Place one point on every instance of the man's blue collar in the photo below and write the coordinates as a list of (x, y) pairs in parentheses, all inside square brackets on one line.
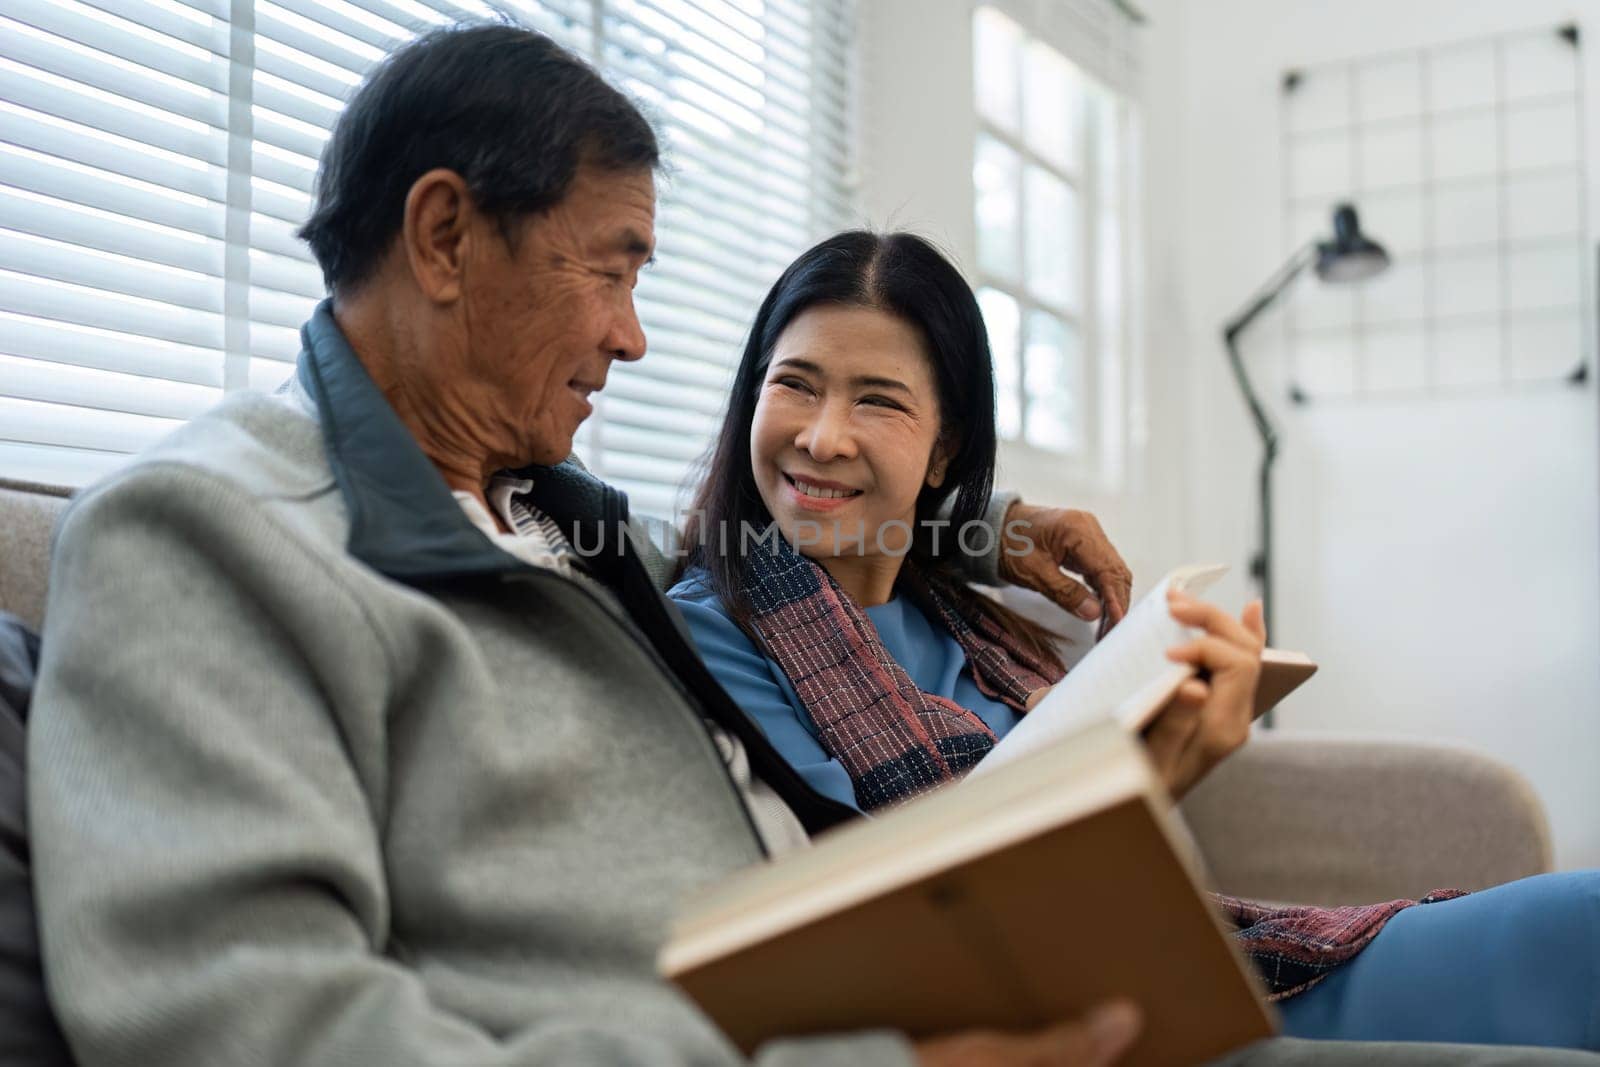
[(404, 520)]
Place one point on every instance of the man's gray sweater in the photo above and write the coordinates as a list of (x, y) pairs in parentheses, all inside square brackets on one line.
[(321, 777)]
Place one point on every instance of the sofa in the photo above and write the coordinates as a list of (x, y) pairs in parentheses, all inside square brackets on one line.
[(1290, 817)]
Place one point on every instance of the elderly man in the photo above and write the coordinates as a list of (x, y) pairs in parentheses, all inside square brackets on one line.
[(341, 754)]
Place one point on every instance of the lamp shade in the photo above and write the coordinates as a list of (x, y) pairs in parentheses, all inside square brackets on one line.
[(1351, 256)]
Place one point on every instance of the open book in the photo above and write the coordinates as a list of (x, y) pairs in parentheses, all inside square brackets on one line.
[(1012, 900), (1128, 677)]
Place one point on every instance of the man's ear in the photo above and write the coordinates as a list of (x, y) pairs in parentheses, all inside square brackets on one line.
[(436, 235)]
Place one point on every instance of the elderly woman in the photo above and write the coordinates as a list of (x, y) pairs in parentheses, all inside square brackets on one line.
[(863, 402)]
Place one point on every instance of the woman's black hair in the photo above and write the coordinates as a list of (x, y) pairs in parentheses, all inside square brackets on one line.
[(901, 274)]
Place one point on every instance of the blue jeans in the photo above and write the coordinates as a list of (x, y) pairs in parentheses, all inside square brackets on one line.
[(1516, 964)]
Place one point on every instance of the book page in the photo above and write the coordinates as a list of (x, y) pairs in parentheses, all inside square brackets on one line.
[(1120, 676)]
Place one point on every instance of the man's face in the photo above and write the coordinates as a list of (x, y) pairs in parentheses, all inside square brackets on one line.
[(543, 317)]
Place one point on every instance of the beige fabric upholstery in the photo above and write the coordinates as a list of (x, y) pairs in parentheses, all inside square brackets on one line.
[(28, 515), (1337, 820)]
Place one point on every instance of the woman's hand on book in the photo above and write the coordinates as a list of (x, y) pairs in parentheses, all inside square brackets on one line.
[(1211, 714), (1097, 1040)]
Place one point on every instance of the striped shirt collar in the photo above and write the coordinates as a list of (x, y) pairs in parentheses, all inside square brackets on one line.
[(533, 538)]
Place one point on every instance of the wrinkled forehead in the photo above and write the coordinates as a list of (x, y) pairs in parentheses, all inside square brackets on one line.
[(619, 207)]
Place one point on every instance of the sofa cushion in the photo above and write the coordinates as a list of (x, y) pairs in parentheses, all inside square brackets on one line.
[(28, 1033), (28, 514)]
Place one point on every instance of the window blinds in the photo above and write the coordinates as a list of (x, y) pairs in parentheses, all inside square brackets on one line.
[(156, 157)]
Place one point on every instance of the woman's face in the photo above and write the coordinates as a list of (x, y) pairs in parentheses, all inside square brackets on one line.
[(846, 432)]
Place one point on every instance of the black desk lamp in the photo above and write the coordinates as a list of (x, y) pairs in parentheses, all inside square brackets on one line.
[(1350, 257)]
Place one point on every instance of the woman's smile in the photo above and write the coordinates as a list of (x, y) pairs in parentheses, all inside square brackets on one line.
[(817, 494)]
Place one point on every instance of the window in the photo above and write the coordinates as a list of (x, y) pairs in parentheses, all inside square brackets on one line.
[(1054, 179), (156, 157)]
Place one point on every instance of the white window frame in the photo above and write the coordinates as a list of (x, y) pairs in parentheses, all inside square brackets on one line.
[(1110, 408)]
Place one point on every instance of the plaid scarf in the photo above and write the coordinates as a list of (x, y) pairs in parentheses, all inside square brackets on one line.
[(896, 740)]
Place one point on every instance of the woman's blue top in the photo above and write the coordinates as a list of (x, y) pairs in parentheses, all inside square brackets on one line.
[(927, 652)]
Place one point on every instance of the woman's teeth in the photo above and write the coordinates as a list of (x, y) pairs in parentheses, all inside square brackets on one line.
[(819, 492)]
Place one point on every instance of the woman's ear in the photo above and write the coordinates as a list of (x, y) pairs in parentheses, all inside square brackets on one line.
[(938, 463)]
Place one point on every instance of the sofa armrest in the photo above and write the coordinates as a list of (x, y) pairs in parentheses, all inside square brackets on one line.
[(1330, 820), (28, 514)]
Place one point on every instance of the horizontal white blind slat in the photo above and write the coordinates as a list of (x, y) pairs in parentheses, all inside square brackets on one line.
[(734, 130), (78, 143), (39, 257), (378, 29), (678, 357), (163, 41), (712, 328), (284, 274), (273, 342), (283, 97), (292, 65), (698, 249), (201, 23), (279, 202), (720, 274), (54, 177), (691, 429), (274, 23), (290, 134), (56, 464), (663, 288), (692, 367), (103, 349), (749, 73), (288, 169), (51, 95), (86, 306), (60, 220), (626, 437), (621, 464), (729, 239), (700, 184), (268, 307), (199, 100), (35, 423), (57, 383), (277, 236)]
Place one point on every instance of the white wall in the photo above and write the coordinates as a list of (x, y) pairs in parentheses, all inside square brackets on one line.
[(1442, 559)]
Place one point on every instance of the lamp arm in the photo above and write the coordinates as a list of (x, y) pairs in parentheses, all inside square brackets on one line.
[(1235, 326), (1261, 565), (1269, 291)]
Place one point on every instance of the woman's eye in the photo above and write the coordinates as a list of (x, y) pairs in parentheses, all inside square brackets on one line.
[(793, 383), (882, 402)]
